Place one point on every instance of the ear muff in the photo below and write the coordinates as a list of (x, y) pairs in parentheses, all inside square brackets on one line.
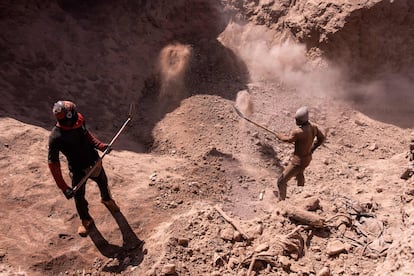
[(69, 114)]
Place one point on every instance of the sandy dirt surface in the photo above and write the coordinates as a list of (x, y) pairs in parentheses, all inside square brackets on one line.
[(194, 180)]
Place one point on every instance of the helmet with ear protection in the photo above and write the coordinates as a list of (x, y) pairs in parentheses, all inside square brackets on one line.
[(64, 110)]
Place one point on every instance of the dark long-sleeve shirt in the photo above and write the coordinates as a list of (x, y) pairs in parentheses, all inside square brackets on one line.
[(77, 144)]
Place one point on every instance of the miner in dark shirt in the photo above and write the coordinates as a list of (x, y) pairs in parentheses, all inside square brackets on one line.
[(71, 137)]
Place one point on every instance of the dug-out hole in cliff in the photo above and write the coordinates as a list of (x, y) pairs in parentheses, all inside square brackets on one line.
[(375, 48)]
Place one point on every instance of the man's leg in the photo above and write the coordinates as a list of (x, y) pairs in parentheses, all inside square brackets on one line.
[(106, 198), (102, 181), (300, 178), (289, 172), (82, 207), (80, 200), (282, 187)]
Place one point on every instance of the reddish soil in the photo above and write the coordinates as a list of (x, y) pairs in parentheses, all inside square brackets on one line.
[(187, 155)]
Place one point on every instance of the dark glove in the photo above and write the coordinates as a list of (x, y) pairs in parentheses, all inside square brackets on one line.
[(108, 148), (69, 193)]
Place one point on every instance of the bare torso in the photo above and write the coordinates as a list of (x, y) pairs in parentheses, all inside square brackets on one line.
[(303, 137)]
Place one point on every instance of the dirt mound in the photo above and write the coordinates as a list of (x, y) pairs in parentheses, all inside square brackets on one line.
[(195, 180)]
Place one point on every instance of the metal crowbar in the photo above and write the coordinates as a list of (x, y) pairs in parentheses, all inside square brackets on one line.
[(250, 121)]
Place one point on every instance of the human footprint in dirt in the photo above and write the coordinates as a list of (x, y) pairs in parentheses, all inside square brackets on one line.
[(305, 144), (71, 137)]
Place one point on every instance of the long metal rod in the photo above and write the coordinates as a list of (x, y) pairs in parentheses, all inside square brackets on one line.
[(83, 180), (99, 161), (250, 121), (116, 136)]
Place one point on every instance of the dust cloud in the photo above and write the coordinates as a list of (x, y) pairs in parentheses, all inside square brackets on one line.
[(272, 57), (388, 99), (244, 103), (282, 60), (172, 64)]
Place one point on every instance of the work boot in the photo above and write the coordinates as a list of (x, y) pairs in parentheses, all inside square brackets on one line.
[(84, 228), (111, 205)]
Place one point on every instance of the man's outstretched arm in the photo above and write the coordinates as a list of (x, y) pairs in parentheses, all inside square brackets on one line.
[(286, 138)]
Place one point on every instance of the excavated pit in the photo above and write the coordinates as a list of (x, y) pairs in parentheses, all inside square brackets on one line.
[(182, 63)]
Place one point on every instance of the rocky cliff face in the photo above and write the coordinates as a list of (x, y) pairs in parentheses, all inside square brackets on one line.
[(370, 37), (83, 40)]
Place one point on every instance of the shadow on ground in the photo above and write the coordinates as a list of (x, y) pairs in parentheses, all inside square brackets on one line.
[(130, 253)]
